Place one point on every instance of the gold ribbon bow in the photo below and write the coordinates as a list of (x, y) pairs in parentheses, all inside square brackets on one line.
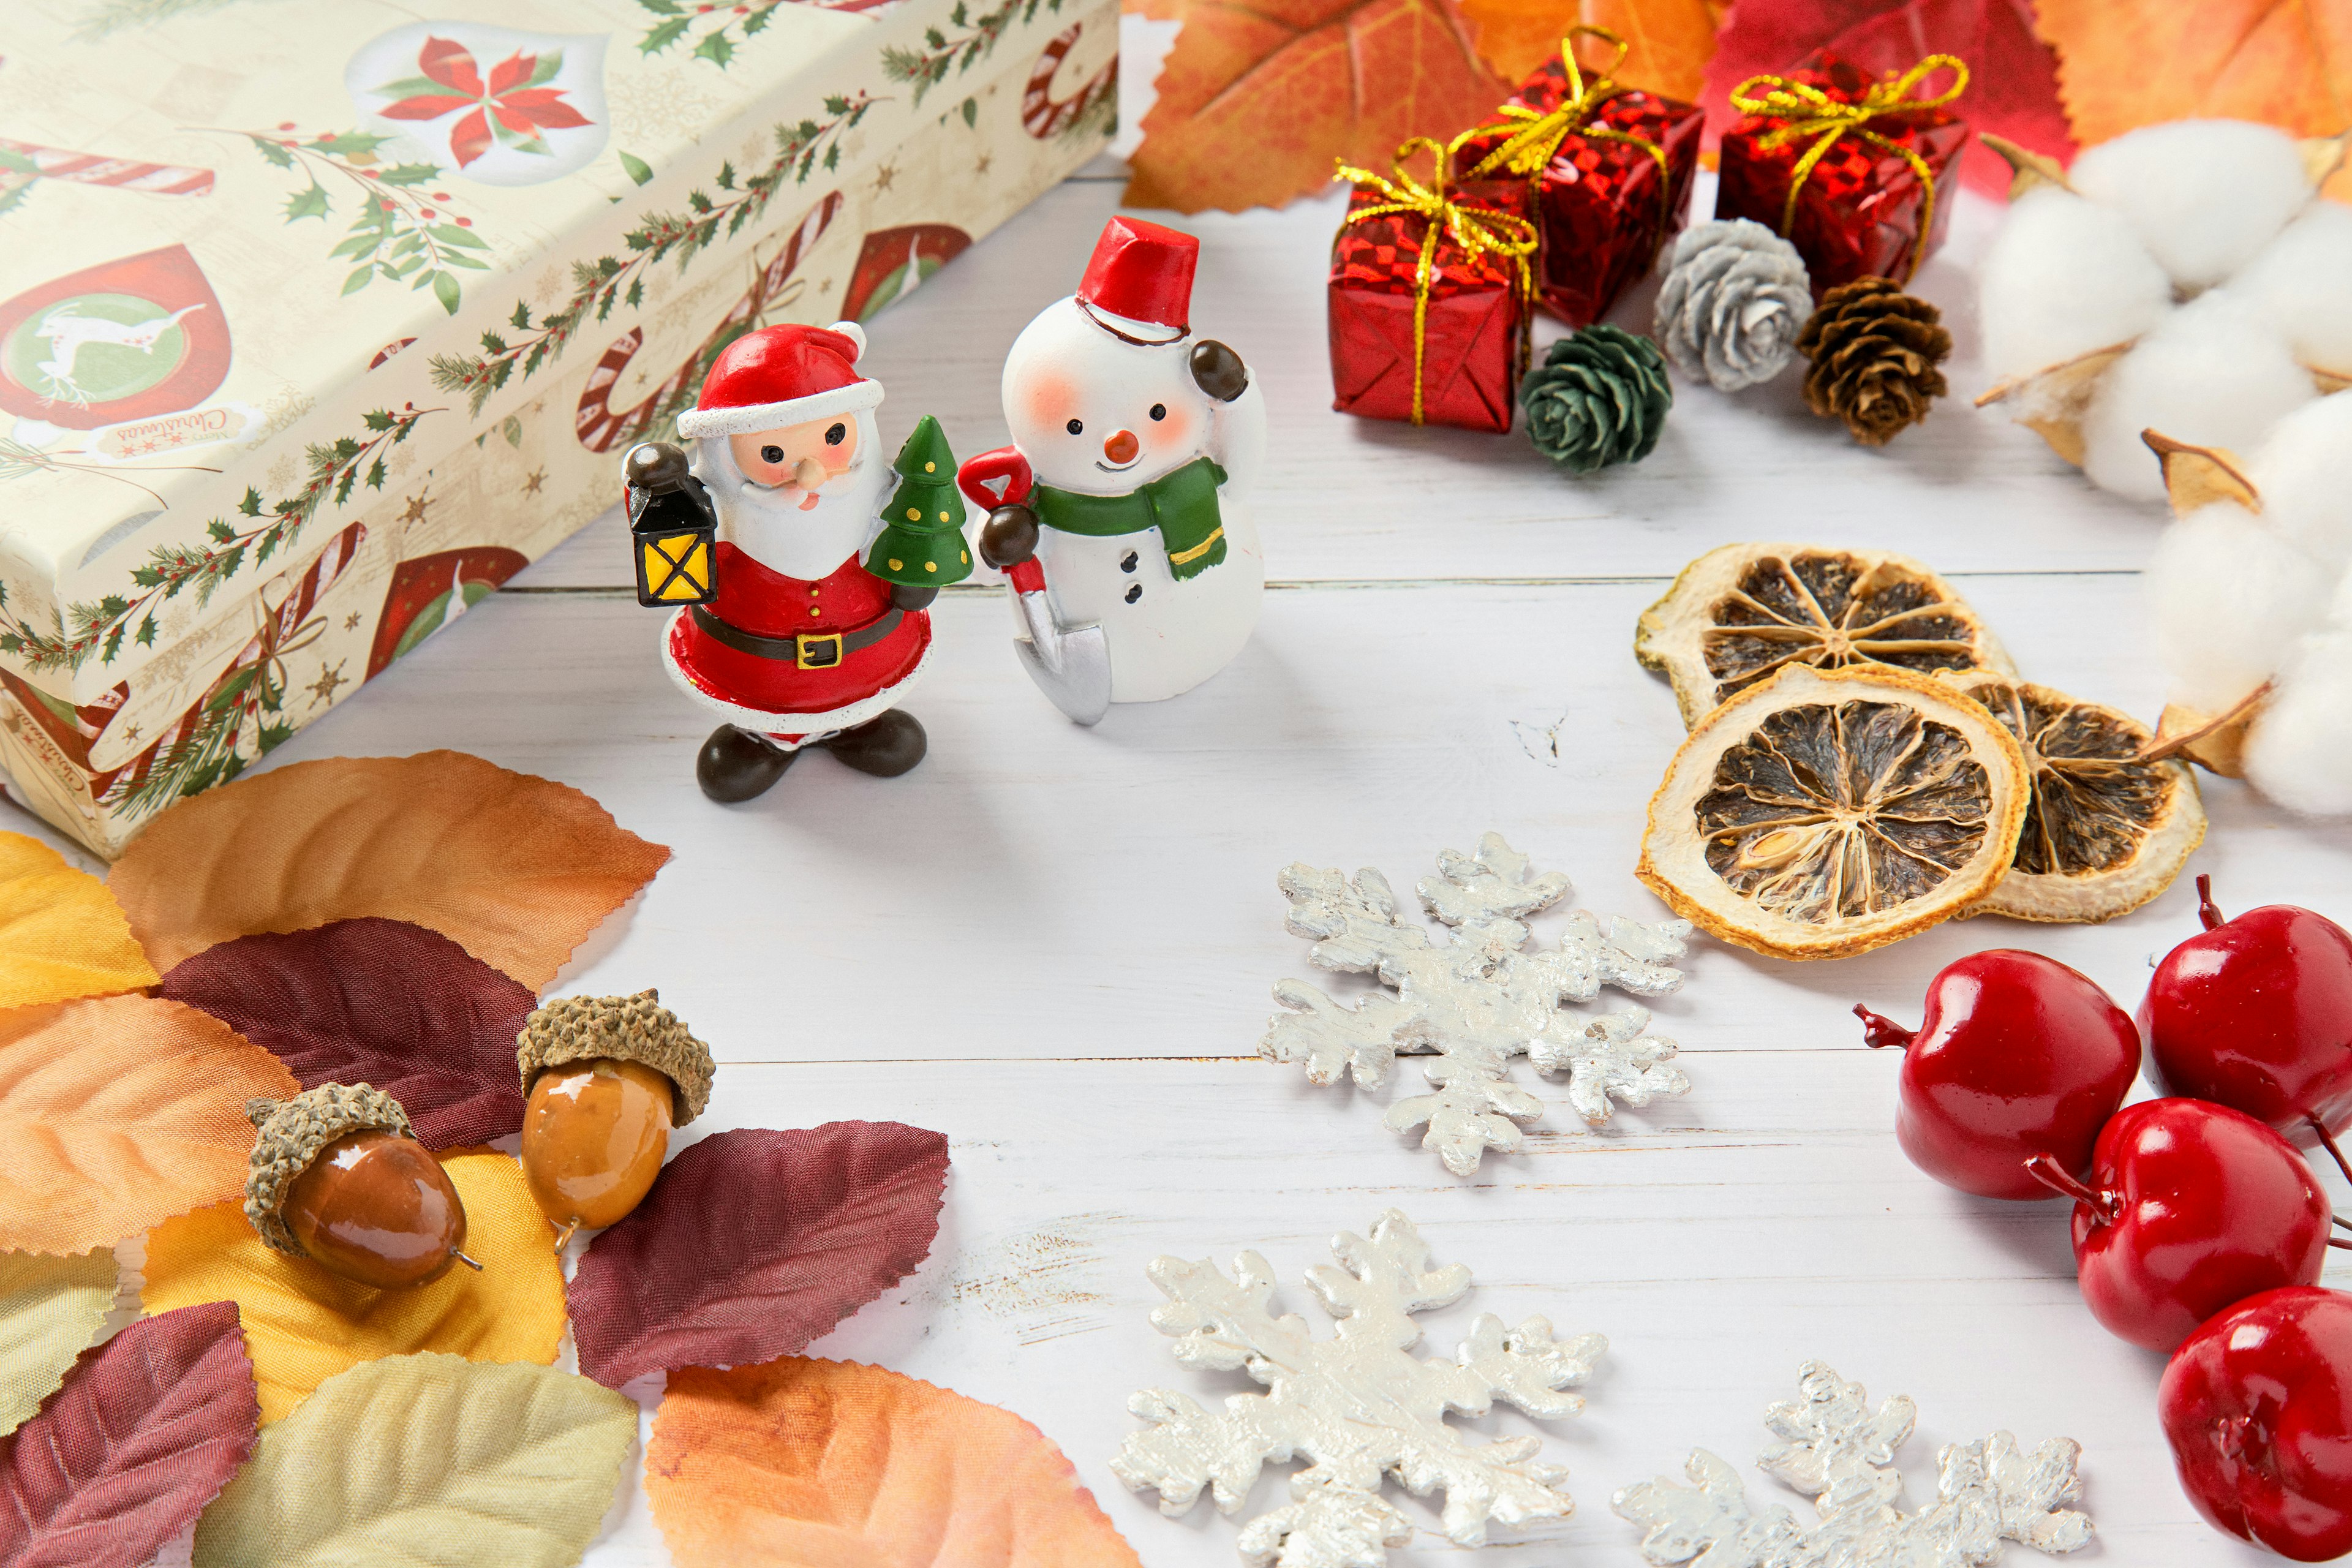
[(1535, 136), (1810, 111), (1477, 230)]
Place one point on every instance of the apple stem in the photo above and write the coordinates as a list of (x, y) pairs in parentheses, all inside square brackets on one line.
[(1878, 1031), (2045, 1169), (2207, 911), (2328, 1142), (2339, 1241)]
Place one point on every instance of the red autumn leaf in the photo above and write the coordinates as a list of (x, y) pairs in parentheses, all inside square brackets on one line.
[(2013, 74), (753, 1243), (146, 1431), (452, 65), (1258, 96), (378, 1002)]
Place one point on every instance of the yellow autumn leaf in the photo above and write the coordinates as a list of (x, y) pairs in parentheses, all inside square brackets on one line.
[(62, 936), (50, 1310), (1667, 42), (118, 1112), (303, 1325)]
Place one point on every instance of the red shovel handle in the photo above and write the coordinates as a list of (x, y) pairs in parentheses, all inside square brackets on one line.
[(1006, 466), (1026, 576)]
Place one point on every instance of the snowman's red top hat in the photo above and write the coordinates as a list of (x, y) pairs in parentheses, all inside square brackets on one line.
[(781, 375), (1139, 284)]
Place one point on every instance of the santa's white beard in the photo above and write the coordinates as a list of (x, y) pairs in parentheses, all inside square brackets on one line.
[(770, 523)]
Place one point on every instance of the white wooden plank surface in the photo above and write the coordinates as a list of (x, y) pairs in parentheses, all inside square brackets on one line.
[(1068, 969)]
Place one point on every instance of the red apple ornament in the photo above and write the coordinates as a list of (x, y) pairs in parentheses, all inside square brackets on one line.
[(2191, 1207), (2256, 1013), (2257, 1405), (2017, 1056)]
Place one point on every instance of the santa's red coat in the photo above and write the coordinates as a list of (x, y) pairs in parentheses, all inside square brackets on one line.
[(774, 695)]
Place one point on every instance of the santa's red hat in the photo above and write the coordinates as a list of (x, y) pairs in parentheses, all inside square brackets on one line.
[(781, 375), (1138, 285)]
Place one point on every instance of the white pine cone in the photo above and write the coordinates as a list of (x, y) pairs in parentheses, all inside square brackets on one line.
[(1734, 298)]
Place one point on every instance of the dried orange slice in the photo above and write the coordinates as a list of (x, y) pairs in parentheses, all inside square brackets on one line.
[(1823, 813), (1740, 612), (2104, 832)]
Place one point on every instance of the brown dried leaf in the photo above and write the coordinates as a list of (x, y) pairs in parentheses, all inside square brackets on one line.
[(118, 1112), (515, 869), (824, 1461)]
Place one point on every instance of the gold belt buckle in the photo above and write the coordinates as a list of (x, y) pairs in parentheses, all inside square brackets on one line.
[(805, 641)]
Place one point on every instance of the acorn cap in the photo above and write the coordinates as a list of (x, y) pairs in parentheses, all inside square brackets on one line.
[(291, 1132), (630, 1028)]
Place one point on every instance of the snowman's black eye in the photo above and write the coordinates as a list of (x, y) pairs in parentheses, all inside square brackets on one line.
[(1076, 428), (1159, 411), (834, 436), (771, 454)]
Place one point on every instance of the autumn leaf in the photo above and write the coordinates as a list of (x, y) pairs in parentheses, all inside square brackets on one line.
[(1668, 42), (62, 936), (427, 1459), (826, 1461), (515, 869), (2012, 75), (2123, 64), (50, 1309), (118, 1112), (304, 1324), (376, 1001), (1258, 96), (126, 1455), (754, 1242)]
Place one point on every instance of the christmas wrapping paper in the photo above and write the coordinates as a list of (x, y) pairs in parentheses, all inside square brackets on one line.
[(1615, 187), (1858, 171), (316, 323)]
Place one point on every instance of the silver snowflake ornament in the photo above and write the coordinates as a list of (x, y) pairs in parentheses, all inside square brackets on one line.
[(1356, 1406), (1841, 1452), (1473, 994)]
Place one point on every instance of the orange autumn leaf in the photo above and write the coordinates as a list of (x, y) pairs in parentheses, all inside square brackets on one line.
[(1668, 42), (2127, 63), (117, 1113), (824, 1461), (515, 869), (61, 933), (1258, 96), (303, 1325)]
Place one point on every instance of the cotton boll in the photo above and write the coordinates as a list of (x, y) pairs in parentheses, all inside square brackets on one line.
[(2063, 276), (2302, 283), (2229, 596), (2299, 752), (2303, 474), (2204, 194), (2212, 373)]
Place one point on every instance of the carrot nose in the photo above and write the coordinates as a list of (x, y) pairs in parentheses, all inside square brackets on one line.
[(1122, 446)]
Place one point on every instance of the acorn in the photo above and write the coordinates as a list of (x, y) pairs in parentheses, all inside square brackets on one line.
[(338, 1176), (606, 1080)]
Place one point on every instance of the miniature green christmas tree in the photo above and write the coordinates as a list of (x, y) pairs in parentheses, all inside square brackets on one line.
[(921, 545)]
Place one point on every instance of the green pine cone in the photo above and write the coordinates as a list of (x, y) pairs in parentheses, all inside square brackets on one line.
[(1598, 397)]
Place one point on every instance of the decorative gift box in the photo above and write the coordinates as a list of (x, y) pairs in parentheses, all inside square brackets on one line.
[(1430, 298), (318, 322), (1608, 176), (1856, 172)]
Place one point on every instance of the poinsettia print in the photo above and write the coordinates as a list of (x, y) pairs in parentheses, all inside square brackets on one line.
[(494, 105)]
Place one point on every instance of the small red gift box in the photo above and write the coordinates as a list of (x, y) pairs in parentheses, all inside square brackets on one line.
[(1430, 299), (1609, 170), (1851, 169)]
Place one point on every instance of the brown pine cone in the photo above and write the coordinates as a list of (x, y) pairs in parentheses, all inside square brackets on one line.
[(1875, 351)]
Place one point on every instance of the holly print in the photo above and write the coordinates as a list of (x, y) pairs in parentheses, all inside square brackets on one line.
[(513, 107), (974, 39), (403, 232), (717, 44)]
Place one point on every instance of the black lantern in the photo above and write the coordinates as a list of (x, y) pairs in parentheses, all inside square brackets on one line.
[(672, 529)]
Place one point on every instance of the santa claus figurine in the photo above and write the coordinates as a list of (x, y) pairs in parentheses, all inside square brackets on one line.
[(1116, 513), (787, 632)]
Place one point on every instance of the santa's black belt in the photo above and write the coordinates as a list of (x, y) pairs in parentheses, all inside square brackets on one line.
[(808, 650)]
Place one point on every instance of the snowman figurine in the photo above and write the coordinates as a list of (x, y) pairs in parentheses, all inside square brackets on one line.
[(1116, 513)]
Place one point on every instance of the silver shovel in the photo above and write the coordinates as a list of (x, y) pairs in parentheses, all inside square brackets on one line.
[(1071, 665)]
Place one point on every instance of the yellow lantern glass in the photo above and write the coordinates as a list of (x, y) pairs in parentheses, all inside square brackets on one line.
[(674, 566)]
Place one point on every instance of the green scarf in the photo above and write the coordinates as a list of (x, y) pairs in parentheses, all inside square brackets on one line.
[(1182, 506)]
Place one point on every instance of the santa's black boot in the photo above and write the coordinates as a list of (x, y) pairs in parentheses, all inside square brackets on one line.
[(738, 764), (885, 746)]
